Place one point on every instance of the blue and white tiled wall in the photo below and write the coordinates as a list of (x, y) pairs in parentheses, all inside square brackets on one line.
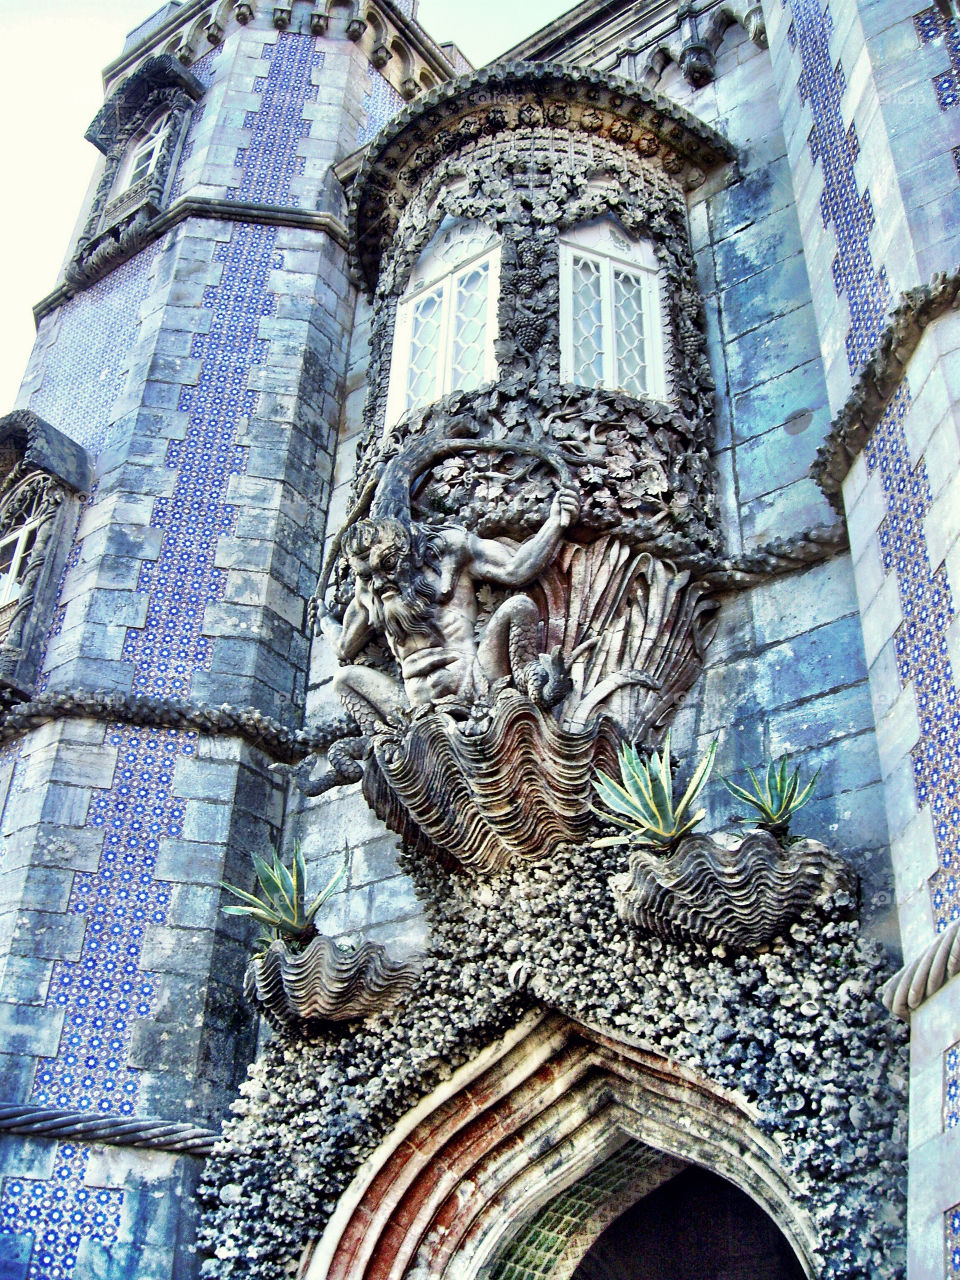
[(857, 90), (194, 440)]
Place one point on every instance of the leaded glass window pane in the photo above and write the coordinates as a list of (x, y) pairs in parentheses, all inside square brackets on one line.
[(470, 328), (587, 323), (631, 370), (425, 333)]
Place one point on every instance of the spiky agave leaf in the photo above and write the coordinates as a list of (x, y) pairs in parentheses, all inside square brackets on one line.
[(778, 797), (644, 803), (325, 893)]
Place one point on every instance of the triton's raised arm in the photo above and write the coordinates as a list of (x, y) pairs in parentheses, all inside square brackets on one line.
[(495, 563)]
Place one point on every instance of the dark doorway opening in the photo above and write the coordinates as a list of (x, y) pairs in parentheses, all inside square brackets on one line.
[(697, 1226)]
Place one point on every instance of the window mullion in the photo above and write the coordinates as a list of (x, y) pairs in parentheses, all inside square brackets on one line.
[(609, 329), (445, 353)]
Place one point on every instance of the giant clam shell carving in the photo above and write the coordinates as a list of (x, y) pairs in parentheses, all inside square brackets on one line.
[(743, 896), (516, 790), (325, 982)]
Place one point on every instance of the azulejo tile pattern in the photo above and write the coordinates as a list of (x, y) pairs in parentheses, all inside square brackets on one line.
[(381, 102), (270, 162), (835, 146), (951, 1087), (85, 371), (932, 25), (951, 1231), (106, 991), (921, 645)]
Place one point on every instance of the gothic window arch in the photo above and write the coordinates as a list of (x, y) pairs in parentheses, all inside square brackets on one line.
[(446, 318), (42, 472), (611, 312)]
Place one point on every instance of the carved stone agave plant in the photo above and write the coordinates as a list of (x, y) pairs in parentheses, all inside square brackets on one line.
[(644, 804), (777, 798)]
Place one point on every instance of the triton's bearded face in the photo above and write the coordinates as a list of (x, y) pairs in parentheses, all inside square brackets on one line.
[(387, 554)]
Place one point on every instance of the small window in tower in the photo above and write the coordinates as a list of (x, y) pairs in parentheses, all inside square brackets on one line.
[(16, 546), (447, 318), (611, 324), (142, 154)]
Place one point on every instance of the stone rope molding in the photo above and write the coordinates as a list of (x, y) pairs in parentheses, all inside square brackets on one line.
[(282, 743), (54, 1123), (925, 976)]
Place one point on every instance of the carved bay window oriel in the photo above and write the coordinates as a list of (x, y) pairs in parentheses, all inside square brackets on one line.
[(140, 130), (611, 317), (42, 472), (447, 318)]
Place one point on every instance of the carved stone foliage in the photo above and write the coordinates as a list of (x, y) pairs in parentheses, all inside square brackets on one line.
[(118, 222), (496, 102), (743, 894), (326, 982), (514, 787), (529, 188), (40, 470)]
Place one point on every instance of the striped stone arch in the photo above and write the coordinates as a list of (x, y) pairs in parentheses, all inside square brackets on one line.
[(555, 1106)]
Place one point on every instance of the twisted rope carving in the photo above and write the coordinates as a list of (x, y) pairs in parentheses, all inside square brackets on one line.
[(783, 555), (35, 1121), (283, 744), (924, 977)]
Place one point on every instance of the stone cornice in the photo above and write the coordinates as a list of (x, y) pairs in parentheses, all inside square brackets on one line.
[(505, 97), (879, 379), (208, 207)]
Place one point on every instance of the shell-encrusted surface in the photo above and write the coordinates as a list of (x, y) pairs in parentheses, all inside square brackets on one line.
[(743, 896), (514, 791), (325, 982)]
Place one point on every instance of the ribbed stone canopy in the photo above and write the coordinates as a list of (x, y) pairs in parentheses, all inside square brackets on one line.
[(510, 96)]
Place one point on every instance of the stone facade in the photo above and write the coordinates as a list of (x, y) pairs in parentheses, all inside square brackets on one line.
[(209, 405)]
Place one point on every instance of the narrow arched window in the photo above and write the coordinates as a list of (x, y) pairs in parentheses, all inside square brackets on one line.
[(611, 320), (21, 515), (142, 154), (447, 318)]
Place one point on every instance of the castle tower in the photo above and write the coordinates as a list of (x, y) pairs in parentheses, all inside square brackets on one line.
[(604, 393)]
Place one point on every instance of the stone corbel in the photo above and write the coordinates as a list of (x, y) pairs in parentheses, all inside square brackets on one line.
[(355, 29), (694, 55), (244, 12), (380, 56), (750, 17), (214, 33), (318, 23), (409, 89), (281, 16)]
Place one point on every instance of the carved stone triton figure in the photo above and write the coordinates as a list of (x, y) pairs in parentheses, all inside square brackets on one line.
[(416, 585)]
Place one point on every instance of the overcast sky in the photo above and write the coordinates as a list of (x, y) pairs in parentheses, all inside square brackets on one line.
[(52, 88)]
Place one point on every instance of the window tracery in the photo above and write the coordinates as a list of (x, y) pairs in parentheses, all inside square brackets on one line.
[(611, 326), (447, 318)]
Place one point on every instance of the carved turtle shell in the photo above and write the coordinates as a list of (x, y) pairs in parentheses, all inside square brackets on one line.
[(743, 896), (325, 982)]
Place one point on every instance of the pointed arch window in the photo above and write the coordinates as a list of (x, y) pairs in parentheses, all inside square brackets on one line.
[(447, 318), (611, 318)]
